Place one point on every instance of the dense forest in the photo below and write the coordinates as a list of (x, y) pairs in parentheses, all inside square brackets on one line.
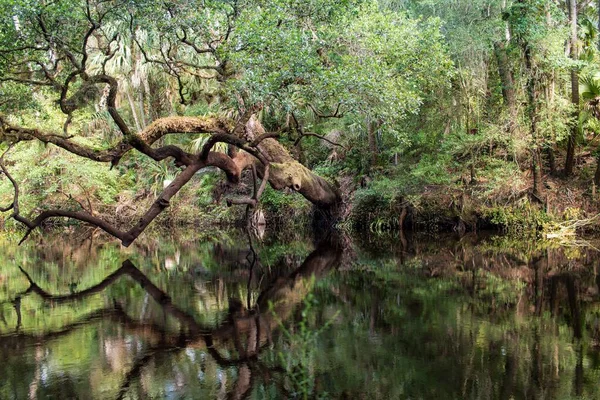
[(372, 114)]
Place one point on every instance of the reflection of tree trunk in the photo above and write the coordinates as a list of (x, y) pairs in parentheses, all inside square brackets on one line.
[(578, 383), (243, 383), (510, 375), (17, 306), (35, 383), (538, 284), (473, 288), (403, 245), (573, 293), (373, 316), (536, 367), (554, 297)]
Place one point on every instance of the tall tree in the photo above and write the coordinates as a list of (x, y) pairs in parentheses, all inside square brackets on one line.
[(509, 91), (572, 141)]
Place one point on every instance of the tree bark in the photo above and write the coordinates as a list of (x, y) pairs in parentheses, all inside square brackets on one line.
[(508, 83), (572, 141), (371, 132), (533, 116), (267, 155), (285, 171)]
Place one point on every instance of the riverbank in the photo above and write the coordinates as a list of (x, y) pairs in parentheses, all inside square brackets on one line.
[(503, 203), (498, 200)]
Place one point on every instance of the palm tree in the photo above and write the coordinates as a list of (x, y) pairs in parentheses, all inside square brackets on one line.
[(589, 87)]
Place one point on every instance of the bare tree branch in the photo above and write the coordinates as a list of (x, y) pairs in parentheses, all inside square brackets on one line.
[(336, 113)]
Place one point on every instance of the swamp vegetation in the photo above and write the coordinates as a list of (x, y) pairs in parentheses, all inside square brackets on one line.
[(413, 180), (373, 114)]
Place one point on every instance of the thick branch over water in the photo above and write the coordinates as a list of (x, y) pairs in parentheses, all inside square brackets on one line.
[(272, 160)]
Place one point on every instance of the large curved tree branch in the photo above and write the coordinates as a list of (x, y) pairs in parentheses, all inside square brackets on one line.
[(271, 159), (141, 141), (260, 152)]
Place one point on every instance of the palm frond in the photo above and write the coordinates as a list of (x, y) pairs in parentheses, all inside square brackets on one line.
[(196, 144)]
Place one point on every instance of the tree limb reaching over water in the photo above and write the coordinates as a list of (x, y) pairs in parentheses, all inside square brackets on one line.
[(71, 62), (271, 158)]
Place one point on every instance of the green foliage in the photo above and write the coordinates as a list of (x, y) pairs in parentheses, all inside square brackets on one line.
[(284, 208), (50, 179), (523, 218), (419, 90), (299, 351)]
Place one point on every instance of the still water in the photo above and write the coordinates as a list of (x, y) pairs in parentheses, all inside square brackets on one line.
[(477, 317)]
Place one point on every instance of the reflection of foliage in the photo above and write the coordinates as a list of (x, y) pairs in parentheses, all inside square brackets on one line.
[(382, 326), (297, 353)]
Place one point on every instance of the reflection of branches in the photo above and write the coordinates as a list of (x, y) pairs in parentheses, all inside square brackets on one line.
[(18, 340), (251, 253), (250, 326), (17, 306), (162, 298), (139, 365)]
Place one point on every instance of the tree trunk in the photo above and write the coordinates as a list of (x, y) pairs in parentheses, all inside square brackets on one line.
[(551, 159), (536, 169), (371, 131), (597, 174), (138, 126), (570, 160), (508, 83), (285, 171), (550, 91), (532, 107)]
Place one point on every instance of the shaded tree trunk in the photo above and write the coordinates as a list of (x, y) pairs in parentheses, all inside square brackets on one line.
[(597, 174), (508, 83), (570, 160), (551, 159), (536, 168), (285, 171), (371, 131)]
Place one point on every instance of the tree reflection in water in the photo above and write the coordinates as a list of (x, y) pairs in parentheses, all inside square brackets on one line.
[(244, 333), (470, 318)]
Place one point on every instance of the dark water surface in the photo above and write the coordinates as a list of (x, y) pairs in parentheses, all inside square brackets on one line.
[(384, 318)]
